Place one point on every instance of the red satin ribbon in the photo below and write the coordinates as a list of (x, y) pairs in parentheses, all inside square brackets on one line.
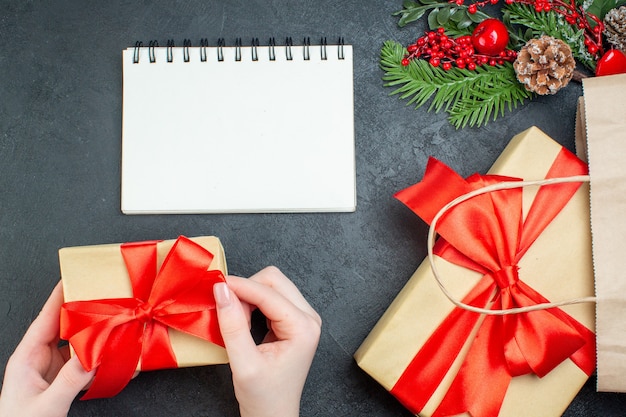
[(488, 234), (114, 335)]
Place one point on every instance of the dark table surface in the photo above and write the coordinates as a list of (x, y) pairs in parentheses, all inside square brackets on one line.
[(60, 129)]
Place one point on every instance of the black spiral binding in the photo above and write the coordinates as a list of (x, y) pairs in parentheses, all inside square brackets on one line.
[(138, 46), (288, 45), (305, 51), (255, 45), (221, 44), (340, 49), (272, 47), (186, 46), (220, 49), (238, 49), (204, 43), (151, 46), (170, 47)]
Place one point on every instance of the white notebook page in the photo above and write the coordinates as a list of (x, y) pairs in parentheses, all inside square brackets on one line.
[(238, 136)]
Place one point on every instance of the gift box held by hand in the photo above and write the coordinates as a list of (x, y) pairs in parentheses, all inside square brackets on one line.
[(141, 306)]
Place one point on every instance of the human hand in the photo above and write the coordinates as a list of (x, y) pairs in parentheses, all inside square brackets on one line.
[(39, 380), (268, 378)]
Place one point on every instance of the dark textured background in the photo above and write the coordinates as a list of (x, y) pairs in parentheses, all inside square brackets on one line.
[(60, 127)]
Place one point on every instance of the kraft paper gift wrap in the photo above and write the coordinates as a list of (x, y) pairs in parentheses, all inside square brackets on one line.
[(441, 360), (141, 306)]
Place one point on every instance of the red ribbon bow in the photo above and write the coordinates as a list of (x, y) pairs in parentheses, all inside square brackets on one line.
[(114, 335), (488, 234)]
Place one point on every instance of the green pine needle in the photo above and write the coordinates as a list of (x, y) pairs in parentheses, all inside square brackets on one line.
[(471, 98), (551, 24)]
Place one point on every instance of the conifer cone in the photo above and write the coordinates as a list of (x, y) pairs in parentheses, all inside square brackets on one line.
[(615, 28), (544, 65)]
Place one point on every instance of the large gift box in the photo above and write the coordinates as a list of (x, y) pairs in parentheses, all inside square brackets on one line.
[(141, 306), (507, 249)]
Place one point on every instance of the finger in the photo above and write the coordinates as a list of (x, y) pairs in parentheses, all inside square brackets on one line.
[(234, 325), (45, 328), (71, 379), (273, 277), (287, 319), (65, 353)]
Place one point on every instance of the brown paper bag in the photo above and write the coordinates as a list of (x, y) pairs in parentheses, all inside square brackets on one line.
[(602, 122)]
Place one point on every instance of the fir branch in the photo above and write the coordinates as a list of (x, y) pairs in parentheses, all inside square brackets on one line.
[(470, 97), (491, 99), (551, 24)]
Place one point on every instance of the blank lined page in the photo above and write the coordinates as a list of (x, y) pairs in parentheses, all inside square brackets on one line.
[(228, 129)]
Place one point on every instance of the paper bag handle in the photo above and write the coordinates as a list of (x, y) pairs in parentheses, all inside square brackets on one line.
[(432, 234)]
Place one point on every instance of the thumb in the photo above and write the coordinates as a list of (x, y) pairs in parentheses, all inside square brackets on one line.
[(234, 325), (71, 379)]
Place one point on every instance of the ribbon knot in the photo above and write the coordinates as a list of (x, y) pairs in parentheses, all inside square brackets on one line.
[(506, 277), (143, 312), (116, 335), (489, 234)]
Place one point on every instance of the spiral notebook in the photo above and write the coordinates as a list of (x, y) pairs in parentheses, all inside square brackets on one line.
[(241, 128)]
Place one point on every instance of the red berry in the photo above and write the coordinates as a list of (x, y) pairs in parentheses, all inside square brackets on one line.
[(411, 48), (472, 8), (490, 37), (471, 66), (405, 62), (612, 62), (446, 66)]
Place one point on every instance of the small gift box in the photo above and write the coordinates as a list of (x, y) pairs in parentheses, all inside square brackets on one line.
[(506, 249), (141, 306)]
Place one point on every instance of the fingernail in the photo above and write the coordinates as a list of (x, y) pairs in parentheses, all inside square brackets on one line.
[(222, 294)]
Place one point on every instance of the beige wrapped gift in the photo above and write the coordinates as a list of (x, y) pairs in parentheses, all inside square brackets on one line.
[(557, 265), (100, 272)]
